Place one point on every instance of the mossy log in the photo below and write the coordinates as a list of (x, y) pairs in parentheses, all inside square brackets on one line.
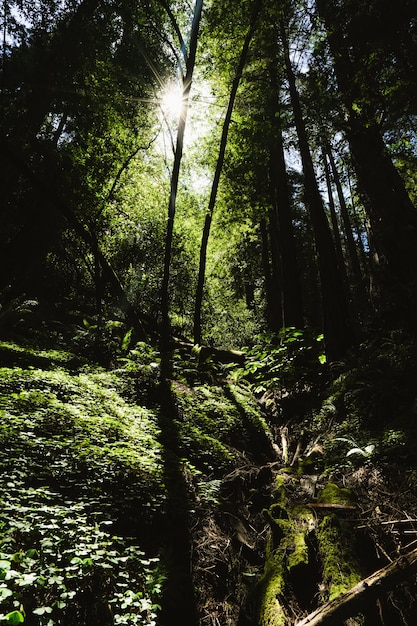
[(365, 592), (341, 567), (287, 551), (302, 552)]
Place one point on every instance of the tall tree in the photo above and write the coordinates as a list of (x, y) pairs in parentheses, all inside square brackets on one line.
[(292, 305), (392, 216), (352, 248), (187, 82), (336, 322), (219, 166)]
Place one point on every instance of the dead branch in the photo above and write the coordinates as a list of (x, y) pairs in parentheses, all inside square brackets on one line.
[(331, 505), (368, 590)]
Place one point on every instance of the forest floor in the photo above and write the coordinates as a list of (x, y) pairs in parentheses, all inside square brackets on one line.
[(131, 498)]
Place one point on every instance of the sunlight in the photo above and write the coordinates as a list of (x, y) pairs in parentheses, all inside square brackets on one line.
[(172, 102)]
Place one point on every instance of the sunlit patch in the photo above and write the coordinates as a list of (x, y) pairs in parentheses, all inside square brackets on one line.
[(172, 101)]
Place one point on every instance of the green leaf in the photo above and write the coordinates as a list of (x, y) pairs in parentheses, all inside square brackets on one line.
[(356, 451), (15, 617), (126, 339), (5, 592), (27, 580), (60, 604), (32, 553), (42, 610)]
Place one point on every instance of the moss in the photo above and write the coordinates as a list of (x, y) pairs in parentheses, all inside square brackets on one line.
[(270, 588), (287, 550), (302, 523), (341, 569), (280, 495), (333, 494)]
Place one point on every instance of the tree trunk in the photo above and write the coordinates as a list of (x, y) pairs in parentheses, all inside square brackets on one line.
[(362, 297), (190, 63), (219, 166), (336, 324), (275, 239), (334, 221), (292, 302), (393, 218), (273, 305)]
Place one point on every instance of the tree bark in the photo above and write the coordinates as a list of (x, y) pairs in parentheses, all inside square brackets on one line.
[(335, 224), (364, 593), (292, 301), (362, 300), (272, 291)]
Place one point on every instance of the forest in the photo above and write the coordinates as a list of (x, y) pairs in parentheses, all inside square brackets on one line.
[(208, 313)]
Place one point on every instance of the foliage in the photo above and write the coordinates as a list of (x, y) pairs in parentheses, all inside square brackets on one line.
[(290, 360), (368, 412), (61, 563), (366, 452), (209, 426), (76, 459)]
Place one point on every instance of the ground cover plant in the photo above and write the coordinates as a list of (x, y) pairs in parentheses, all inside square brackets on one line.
[(87, 476), (76, 457)]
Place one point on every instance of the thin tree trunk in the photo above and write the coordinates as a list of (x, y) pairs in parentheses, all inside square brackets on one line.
[(292, 305), (335, 224), (271, 292), (336, 324), (358, 224), (362, 299), (190, 63), (219, 166), (274, 236)]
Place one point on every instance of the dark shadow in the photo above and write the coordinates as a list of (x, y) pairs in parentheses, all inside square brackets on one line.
[(178, 602), (253, 438)]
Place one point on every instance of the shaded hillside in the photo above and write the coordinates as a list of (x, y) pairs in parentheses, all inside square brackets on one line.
[(215, 495)]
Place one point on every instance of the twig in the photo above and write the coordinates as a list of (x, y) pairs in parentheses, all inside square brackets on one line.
[(399, 521)]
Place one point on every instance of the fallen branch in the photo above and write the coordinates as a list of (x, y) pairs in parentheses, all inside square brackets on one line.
[(350, 603), (331, 505)]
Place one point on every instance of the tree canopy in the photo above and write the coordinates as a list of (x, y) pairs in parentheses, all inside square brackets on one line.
[(85, 174)]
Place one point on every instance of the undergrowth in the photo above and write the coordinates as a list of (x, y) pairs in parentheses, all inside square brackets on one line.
[(83, 477), (78, 461)]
